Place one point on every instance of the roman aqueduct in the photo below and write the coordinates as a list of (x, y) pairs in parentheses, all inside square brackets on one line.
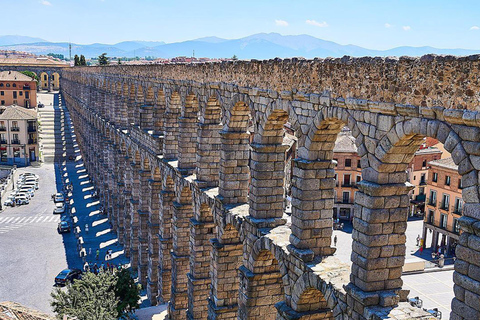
[(189, 161)]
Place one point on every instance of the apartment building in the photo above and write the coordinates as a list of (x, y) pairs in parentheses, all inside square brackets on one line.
[(443, 206), (17, 88), (18, 135)]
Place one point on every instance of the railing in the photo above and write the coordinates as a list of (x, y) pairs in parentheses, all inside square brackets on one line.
[(3, 141), (349, 185), (457, 210), (32, 129), (32, 141), (423, 182), (3, 129), (432, 203), (15, 142), (444, 206), (15, 129)]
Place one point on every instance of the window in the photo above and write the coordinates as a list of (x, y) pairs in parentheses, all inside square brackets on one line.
[(14, 85), (2, 138), (456, 226), (433, 198), (421, 190), (460, 184), (359, 178), (14, 94), (15, 136), (346, 180), (443, 221), (348, 162), (424, 163), (45, 77), (336, 180), (346, 197), (20, 93), (447, 180), (27, 95), (8, 85), (445, 201), (435, 177), (359, 164), (458, 206), (15, 124), (2, 93), (53, 77), (1, 84), (3, 102), (422, 179), (430, 216), (16, 152)]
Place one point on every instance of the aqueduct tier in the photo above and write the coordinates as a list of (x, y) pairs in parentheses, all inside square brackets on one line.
[(190, 162)]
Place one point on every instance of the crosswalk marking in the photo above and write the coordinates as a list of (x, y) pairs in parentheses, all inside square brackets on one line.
[(28, 220)]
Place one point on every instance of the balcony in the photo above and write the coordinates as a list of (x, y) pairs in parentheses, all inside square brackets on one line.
[(423, 182), (15, 142), (32, 129), (15, 129), (349, 185), (444, 206), (457, 210), (32, 141), (3, 141), (3, 129), (432, 202)]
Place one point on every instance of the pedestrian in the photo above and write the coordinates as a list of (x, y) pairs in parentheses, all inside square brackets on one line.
[(108, 266), (89, 252), (86, 268), (335, 240), (102, 267), (106, 256), (95, 268), (98, 254), (86, 227), (110, 252), (418, 240)]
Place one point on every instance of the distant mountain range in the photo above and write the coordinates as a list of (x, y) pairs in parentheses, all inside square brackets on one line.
[(257, 46)]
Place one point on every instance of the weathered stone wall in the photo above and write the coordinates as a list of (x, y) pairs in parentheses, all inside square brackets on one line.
[(263, 263)]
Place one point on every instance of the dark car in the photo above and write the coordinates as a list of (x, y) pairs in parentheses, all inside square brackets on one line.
[(63, 226), (40, 105), (68, 275)]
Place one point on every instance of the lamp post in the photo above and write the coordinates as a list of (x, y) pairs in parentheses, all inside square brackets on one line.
[(13, 176)]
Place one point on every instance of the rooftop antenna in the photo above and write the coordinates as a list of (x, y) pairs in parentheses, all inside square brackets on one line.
[(70, 50), (194, 53)]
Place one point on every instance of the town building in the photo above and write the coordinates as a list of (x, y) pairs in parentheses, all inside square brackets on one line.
[(348, 173), (418, 172), (443, 206), (15, 311), (17, 88), (18, 136)]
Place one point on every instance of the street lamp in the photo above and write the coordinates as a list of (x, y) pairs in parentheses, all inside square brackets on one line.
[(13, 176)]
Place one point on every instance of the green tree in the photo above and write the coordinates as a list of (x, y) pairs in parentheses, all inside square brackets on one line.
[(234, 57), (119, 61), (32, 75), (102, 59), (92, 297), (83, 62), (127, 292), (76, 61)]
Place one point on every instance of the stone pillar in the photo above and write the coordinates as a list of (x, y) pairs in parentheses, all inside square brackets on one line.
[(466, 278), (187, 147), (234, 171), (227, 252), (313, 186), (165, 245), (380, 222), (121, 114), (182, 213), (208, 154), (134, 215), (201, 231), (144, 214), (125, 206), (153, 241), (322, 312), (146, 117), (171, 131)]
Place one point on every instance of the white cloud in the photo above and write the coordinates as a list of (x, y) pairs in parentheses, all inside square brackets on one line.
[(317, 24), (406, 28), (45, 2), (474, 28), (388, 25), (281, 23)]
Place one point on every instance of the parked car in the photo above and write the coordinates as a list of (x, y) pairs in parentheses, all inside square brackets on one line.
[(40, 105), (31, 184), (24, 194), (21, 199), (29, 174), (9, 202), (68, 275), (63, 226), (59, 207), (27, 190), (59, 197)]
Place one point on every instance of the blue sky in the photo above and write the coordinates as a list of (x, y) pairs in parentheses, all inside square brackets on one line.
[(374, 24)]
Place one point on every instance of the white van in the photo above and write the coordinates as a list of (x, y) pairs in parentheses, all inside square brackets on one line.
[(59, 207)]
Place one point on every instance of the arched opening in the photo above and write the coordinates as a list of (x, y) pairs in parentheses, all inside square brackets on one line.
[(55, 79), (171, 130), (44, 81), (158, 113)]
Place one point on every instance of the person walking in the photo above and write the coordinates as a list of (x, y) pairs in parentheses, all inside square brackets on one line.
[(89, 252), (98, 254), (86, 227), (418, 240), (335, 240)]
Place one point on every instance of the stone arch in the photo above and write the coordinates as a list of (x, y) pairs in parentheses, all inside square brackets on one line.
[(55, 79), (269, 130), (157, 174), (159, 111), (212, 111), (171, 126), (261, 283), (238, 116), (44, 81), (187, 148)]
